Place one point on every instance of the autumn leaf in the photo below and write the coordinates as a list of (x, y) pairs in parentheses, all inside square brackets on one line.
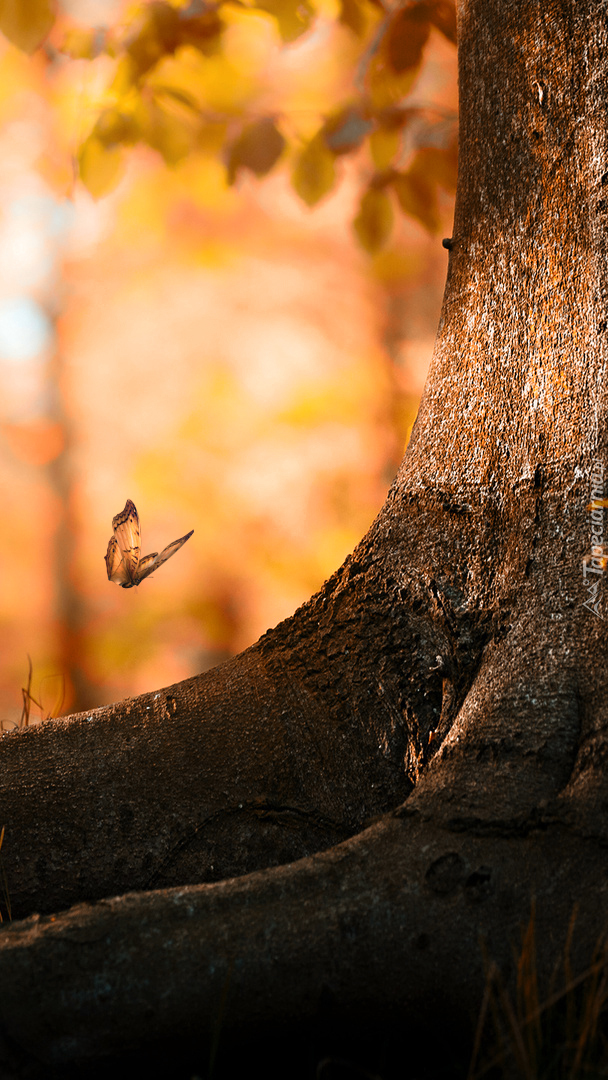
[(443, 16), (407, 35), (314, 174), (113, 128), (165, 128), (384, 145), (152, 35), (353, 16), (394, 64), (345, 131), (101, 167), (258, 148), (26, 23), (202, 32), (417, 196), (293, 16), (82, 44), (374, 222)]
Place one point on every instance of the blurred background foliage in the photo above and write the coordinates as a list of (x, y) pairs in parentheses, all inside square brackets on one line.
[(220, 277)]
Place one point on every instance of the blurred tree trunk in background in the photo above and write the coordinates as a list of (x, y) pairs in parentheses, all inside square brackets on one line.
[(69, 604)]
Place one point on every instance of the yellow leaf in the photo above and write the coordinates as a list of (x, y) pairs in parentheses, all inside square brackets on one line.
[(167, 128), (293, 16), (81, 44), (417, 197), (384, 146), (152, 35), (374, 222), (395, 64), (26, 22), (385, 87), (207, 84), (101, 167), (126, 77), (314, 174), (114, 127), (353, 16)]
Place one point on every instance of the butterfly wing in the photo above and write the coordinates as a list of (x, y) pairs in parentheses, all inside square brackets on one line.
[(151, 562), (142, 572), (115, 564), (122, 557)]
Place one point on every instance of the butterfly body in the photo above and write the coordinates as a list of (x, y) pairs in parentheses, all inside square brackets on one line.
[(124, 564)]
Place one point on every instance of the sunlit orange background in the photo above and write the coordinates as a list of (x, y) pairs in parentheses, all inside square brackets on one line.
[(227, 358)]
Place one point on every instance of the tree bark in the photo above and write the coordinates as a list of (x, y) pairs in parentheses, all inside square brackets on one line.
[(448, 679)]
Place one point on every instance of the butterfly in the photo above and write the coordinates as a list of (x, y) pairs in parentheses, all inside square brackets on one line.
[(123, 562)]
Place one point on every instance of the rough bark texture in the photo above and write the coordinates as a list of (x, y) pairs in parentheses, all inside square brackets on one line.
[(448, 677)]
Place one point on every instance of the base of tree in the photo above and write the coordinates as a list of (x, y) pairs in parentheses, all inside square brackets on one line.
[(330, 1049)]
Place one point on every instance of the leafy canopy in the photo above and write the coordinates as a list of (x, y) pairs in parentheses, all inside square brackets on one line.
[(173, 83)]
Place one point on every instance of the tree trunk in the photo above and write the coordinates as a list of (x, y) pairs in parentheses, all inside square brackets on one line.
[(450, 680)]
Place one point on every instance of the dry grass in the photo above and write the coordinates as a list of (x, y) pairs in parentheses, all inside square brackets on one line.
[(563, 1037), (28, 700)]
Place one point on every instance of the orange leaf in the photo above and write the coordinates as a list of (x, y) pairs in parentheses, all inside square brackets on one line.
[(26, 22), (384, 145), (165, 129), (100, 166), (417, 197), (407, 35), (81, 44), (258, 148), (443, 16), (353, 16), (202, 32), (152, 35), (374, 222), (113, 127), (314, 174), (293, 16)]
